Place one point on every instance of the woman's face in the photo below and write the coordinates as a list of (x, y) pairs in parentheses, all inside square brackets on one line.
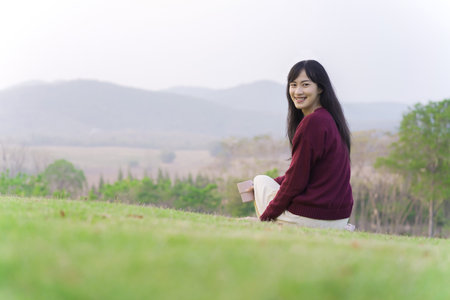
[(304, 93)]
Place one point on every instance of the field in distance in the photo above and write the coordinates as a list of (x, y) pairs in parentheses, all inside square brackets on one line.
[(107, 161), (248, 157), (62, 249)]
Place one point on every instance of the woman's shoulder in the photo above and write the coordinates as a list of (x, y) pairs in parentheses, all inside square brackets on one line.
[(320, 118), (313, 125), (317, 127)]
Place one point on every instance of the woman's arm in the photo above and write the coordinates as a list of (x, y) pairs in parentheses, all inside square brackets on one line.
[(294, 183), (279, 179), (307, 147)]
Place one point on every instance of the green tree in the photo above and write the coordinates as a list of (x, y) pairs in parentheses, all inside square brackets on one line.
[(63, 179), (148, 192), (422, 154), (122, 190), (120, 175), (23, 185), (93, 195), (191, 197), (101, 182), (163, 181), (202, 180)]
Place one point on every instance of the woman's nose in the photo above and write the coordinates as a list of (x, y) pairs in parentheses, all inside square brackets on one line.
[(298, 91)]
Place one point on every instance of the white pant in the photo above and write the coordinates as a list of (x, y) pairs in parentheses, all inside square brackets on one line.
[(266, 189)]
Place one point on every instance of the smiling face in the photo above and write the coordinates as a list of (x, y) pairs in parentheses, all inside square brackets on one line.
[(305, 94)]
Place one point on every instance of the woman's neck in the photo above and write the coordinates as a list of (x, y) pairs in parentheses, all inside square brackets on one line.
[(310, 110)]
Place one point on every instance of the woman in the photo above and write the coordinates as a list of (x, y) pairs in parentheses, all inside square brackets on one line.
[(315, 191)]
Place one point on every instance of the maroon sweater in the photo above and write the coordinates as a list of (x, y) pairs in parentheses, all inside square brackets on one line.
[(317, 183)]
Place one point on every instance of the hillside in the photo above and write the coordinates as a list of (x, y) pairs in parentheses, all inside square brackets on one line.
[(262, 96), (95, 111), (58, 249), (88, 112)]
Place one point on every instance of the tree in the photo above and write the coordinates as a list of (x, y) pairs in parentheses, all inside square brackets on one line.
[(101, 182), (191, 197), (23, 185), (148, 192), (120, 175), (167, 156), (422, 154), (64, 179)]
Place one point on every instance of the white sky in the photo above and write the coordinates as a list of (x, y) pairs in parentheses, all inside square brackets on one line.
[(381, 50)]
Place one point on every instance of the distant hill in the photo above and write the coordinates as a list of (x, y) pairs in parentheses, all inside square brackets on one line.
[(91, 112), (96, 112), (263, 96), (268, 96)]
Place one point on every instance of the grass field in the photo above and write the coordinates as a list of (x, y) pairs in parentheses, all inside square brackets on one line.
[(58, 249)]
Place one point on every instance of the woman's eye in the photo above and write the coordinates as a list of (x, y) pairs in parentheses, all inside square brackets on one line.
[(305, 84)]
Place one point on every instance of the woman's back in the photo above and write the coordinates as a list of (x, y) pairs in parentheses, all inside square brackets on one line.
[(327, 194)]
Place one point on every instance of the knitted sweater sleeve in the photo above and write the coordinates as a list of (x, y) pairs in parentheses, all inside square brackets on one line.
[(279, 179), (306, 149)]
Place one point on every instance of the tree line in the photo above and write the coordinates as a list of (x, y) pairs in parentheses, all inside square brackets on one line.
[(198, 194)]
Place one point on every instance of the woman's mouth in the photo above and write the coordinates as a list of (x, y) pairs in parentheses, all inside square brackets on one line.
[(300, 99)]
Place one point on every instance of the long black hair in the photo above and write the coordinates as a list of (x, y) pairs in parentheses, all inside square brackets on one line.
[(328, 100)]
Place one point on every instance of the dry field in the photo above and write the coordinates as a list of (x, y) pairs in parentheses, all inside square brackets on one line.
[(107, 161), (247, 158)]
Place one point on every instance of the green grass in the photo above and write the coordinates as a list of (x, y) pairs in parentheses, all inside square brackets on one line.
[(56, 249)]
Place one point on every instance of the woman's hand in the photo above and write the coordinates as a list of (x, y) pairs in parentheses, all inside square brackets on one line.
[(250, 190)]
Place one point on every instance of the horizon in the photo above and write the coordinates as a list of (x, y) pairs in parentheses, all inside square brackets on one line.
[(170, 89)]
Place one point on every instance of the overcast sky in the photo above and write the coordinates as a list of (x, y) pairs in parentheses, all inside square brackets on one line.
[(383, 50)]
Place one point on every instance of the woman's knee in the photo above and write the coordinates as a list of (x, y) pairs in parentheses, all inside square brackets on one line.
[(260, 179)]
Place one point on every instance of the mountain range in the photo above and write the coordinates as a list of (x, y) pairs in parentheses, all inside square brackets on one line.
[(91, 112)]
